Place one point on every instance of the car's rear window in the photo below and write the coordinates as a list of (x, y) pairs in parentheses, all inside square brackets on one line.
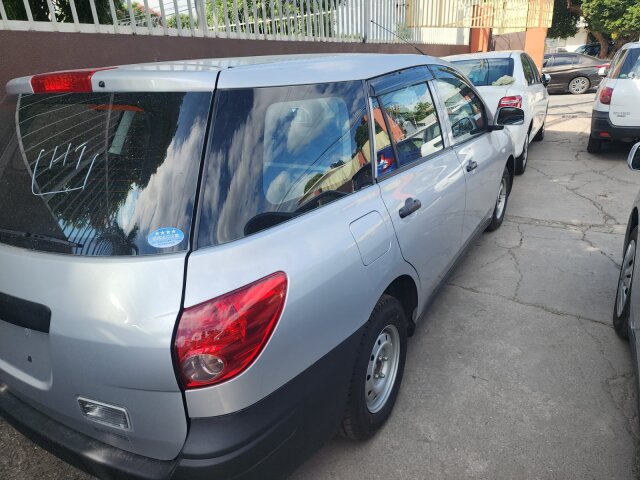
[(485, 72), (278, 152), (100, 174), (630, 67)]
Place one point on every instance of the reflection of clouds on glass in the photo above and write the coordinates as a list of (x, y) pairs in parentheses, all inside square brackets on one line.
[(162, 201), (124, 216)]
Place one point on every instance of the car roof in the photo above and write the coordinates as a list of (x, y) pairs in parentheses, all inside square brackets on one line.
[(243, 72), (472, 56), (631, 45)]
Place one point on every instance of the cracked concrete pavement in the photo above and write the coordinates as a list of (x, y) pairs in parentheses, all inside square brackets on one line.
[(516, 372)]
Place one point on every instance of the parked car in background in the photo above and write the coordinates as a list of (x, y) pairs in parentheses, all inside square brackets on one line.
[(593, 49), (626, 308), (616, 109), (209, 267), (510, 78), (572, 72)]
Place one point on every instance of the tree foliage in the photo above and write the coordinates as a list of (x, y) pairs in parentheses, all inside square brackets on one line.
[(62, 8), (606, 20), (565, 21)]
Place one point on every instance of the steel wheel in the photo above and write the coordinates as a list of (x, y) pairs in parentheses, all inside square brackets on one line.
[(382, 368), (626, 275), (579, 85)]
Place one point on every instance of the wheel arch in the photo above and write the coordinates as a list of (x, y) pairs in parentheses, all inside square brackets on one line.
[(404, 289)]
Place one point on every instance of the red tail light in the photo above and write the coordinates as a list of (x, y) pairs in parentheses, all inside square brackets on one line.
[(514, 101), (605, 95), (220, 338), (75, 81)]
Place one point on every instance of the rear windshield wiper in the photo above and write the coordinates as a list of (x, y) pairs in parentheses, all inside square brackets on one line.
[(36, 236)]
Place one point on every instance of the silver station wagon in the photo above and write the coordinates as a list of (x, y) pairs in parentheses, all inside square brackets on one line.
[(208, 268)]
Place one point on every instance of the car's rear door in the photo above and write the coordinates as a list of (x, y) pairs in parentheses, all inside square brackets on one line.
[(561, 70), (479, 153), (419, 175)]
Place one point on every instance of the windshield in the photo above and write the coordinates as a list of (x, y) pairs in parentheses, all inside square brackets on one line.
[(100, 173), (485, 72)]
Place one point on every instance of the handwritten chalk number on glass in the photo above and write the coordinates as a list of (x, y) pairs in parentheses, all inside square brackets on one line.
[(56, 160)]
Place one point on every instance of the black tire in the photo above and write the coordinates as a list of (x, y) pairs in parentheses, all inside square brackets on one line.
[(521, 161), (540, 135), (621, 312), (498, 214), (594, 145), (359, 423)]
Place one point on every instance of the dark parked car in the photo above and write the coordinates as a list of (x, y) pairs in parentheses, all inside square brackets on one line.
[(572, 72), (593, 49)]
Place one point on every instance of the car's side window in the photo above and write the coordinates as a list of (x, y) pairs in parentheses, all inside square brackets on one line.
[(548, 62), (528, 71), (411, 121), (561, 61), (614, 67), (464, 108), (534, 69), (278, 152), (385, 155)]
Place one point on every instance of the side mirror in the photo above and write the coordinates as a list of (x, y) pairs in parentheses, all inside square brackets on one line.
[(603, 71), (546, 79), (510, 116), (634, 157)]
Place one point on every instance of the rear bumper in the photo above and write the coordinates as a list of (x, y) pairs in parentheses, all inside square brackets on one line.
[(603, 129), (267, 440)]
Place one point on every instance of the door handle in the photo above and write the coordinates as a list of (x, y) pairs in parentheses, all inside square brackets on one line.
[(410, 205), (472, 165)]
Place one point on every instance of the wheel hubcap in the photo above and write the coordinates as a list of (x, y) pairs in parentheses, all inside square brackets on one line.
[(382, 369), (502, 198), (626, 275), (578, 85)]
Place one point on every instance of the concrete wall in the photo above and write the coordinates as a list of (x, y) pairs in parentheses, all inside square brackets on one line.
[(27, 53)]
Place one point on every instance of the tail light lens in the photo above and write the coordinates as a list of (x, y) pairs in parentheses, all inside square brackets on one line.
[(75, 81), (218, 339), (513, 101), (605, 95)]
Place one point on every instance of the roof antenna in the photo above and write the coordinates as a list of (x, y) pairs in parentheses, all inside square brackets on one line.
[(398, 36)]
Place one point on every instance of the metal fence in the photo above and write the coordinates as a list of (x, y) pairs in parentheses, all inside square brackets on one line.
[(315, 20)]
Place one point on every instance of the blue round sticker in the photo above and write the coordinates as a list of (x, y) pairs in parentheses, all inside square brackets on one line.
[(165, 237)]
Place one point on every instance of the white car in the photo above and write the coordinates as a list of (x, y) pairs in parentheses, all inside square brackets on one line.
[(510, 79), (616, 110)]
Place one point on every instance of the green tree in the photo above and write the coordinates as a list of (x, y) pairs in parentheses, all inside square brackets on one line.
[(62, 8), (565, 21), (607, 20)]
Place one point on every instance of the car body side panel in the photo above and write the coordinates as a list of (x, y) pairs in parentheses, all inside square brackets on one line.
[(331, 293), (109, 341), (432, 236)]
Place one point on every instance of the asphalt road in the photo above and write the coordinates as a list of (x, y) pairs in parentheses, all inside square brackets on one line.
[(516, 372)]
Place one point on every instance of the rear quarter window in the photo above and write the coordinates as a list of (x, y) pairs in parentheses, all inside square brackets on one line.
[(278, 152)]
